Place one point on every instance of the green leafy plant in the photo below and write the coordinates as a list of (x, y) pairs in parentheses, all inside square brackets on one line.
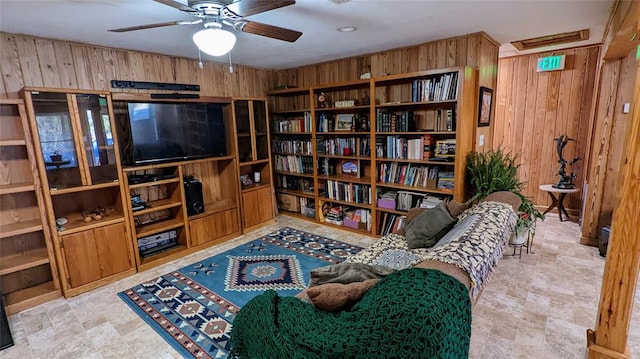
[(497, 170), (493, 171)]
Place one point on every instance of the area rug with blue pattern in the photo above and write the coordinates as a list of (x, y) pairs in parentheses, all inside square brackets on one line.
[(193, 307)]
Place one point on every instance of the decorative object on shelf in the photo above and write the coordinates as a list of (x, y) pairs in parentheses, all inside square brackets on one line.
[(346, 103), (566, 180), (350, 168), (256, 177), (55, 156), (366, 73), (96, 213), (344, 122), (60, 222), (246, 180), (484, 107), (365, 100), (322, 100), (363, 122)]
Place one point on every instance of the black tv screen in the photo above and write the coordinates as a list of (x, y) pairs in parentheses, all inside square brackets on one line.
[(165, 131)]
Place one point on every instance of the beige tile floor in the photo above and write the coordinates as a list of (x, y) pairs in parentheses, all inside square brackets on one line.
[(535, 307)]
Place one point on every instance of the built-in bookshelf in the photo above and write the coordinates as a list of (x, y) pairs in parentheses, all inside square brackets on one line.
[(360, 154)]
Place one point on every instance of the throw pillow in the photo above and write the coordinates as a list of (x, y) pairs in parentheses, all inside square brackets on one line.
[(455, 208), (428, 227), (333, 297)]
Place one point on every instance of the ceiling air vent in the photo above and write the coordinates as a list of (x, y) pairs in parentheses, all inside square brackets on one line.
[(549, 40)]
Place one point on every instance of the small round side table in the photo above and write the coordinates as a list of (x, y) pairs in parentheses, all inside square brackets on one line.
[(558, 201)]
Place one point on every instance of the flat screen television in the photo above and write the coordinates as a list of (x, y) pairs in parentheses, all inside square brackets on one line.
[(153, 132)]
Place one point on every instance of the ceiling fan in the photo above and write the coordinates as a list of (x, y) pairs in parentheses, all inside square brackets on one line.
[(216, 14)]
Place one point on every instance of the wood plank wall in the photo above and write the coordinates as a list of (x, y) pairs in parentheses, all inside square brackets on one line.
[(475, 50), (534, 108), (37, 62), (611, 125)]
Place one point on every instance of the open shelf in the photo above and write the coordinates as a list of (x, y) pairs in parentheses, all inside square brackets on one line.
[(422, 162), (14, 229), (255, 186), (77, 224), (169, 252), (419, 189), (296, 215), (215, 207), (154, 183), (414, 104), (322, 155), (394, 211), (308, 175), (421, 133), (346, 109), (361, 231), (28, 297), (158, 205), (12, 143), (362, 180), (291, 133), (160, 226), (18, 262), (55, 192), (16, 187), (345, 203), (291, 154), (295, 193), (254, 162)]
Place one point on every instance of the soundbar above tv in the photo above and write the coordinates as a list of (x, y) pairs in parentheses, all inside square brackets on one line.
[(164, 131)]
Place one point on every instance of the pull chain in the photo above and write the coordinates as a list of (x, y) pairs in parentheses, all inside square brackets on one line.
[(230, 65), (200, 60)]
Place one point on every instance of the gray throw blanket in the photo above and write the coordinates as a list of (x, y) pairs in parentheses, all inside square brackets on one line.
[(346, 273)]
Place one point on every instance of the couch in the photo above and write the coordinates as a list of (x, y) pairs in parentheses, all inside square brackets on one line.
[(422, 309)]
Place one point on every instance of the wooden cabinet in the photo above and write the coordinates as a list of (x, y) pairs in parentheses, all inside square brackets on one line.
[(78, 162), (28, 271), (95, 254), (214, 228), (338, 148), (253, 148)]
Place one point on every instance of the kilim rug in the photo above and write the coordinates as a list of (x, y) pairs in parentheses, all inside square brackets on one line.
[(193, 307)]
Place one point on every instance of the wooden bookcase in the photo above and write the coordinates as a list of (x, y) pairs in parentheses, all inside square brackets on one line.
[(341, 146), (78, 161), (28, 271), (253, 147), (166, 200)]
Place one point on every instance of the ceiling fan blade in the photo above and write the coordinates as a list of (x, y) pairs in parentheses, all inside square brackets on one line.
[(271, 31), (151, 26), (252, 7), (176, 5)]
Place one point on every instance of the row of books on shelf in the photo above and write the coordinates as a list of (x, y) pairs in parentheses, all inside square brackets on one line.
[(294, 183), (439, 120), (390, 222), (408, 174), (295, 164), (299, 147), (348, 192), (405, 200), (338, 146), (298, 124), (439, 88), (399, 121), (405, 148), (356, 218)]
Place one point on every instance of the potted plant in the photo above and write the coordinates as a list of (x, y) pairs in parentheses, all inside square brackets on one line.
[(497, 170), (526, 223)]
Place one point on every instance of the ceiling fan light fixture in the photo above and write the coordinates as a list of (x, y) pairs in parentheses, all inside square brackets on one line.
[(347, 28), (215, 42)]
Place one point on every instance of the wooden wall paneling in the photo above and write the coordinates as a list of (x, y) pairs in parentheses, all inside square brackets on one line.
[(599, 150), (12, 79), (66, 67), (529, 144), (517, 123), (82, 65), (461, 51), (29, 62), (137, 67), (472, 51), (122, 66), (48, 63), (622, 266), (619, 128)]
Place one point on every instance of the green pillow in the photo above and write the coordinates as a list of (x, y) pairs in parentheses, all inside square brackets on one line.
[(429, 226)]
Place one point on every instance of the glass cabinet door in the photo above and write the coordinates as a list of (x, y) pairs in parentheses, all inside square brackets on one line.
[(243, 130), (260, 124), (97, 137), (55, 132)]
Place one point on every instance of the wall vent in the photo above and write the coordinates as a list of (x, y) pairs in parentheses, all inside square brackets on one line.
[(549, 40)]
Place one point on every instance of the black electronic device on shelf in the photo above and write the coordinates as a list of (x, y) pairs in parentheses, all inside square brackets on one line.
[(137, 203), (193, 196), (135, 179)]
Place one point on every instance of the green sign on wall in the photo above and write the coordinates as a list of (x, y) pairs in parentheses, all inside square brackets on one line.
[(551, 63)]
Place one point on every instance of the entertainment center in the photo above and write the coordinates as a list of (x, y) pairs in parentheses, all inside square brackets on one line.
[(128, 182)]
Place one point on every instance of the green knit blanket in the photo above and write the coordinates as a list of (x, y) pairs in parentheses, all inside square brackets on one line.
[(412, 313)]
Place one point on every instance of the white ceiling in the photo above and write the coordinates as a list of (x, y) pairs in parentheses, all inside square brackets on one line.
[(382, 25)]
